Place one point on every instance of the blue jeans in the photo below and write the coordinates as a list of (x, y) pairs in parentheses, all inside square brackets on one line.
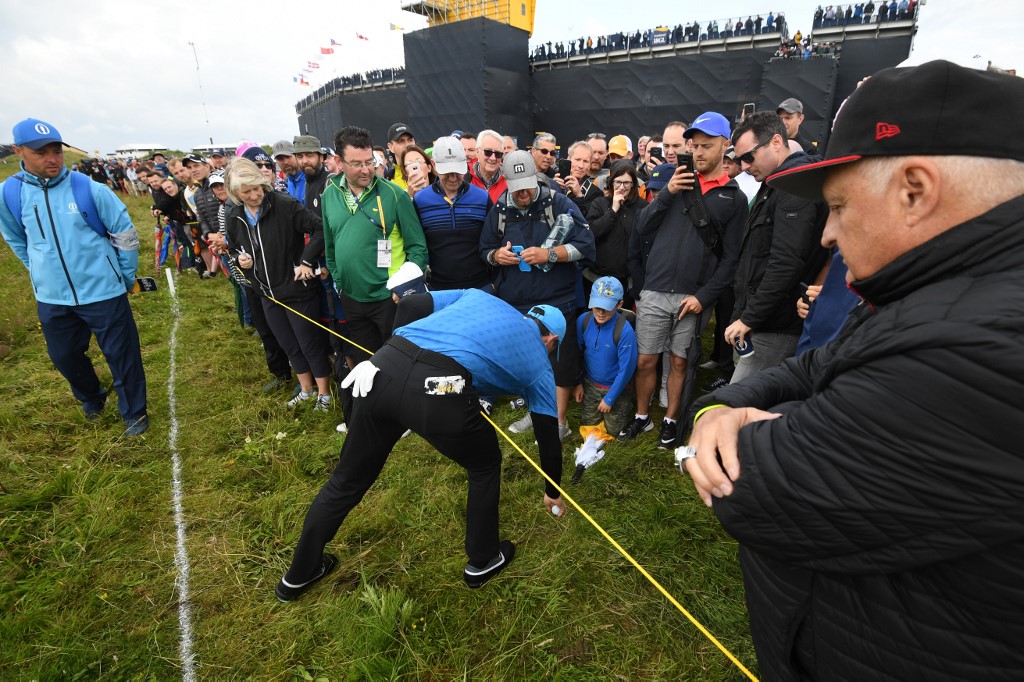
[(67, 330)]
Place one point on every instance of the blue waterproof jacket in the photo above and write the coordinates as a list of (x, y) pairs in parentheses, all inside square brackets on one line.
[(69, 263)]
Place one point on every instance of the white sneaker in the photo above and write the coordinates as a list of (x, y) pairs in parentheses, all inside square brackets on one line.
[(300, 397), (523, 425), (341, 428)]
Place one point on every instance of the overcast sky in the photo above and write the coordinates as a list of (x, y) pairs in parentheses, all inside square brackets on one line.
[(110, 73)]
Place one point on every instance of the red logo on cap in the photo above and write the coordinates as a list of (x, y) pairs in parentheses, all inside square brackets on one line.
[(884, 130)]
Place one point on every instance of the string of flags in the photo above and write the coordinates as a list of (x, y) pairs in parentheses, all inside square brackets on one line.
[(312, 66)]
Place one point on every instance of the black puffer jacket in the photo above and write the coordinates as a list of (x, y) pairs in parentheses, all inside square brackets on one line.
[(781, 248), (277, 245), (612, 230), (881, 520), (207, 208)]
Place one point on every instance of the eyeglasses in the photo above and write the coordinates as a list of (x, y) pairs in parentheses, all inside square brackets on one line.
[(260, 164), (359, 165), (748, 158), (600, 136), (545, 152), (623, 183), (493, 152)]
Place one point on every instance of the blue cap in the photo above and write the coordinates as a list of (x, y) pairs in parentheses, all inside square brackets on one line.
[(256, 155), (606, 293), (710, 123), (457, 133), (35, 134), (660, 176), (407, 280), (552, 318)]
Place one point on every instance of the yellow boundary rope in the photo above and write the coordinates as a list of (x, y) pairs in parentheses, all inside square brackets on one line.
[(696, 623)]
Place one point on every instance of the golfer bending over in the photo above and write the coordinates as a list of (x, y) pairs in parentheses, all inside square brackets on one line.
[(427, 378)]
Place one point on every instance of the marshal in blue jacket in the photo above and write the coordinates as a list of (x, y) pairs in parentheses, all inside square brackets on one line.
[(68, 262)]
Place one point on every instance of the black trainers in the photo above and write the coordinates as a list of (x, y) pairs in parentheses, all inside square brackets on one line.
[(667, 437), (716, 384), (94, 408), (287, 592), (475, 577), (635, 428)]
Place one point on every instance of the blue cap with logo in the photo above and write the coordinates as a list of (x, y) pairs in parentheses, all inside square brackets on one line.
[(660, 176), (606, 293), (35, 134), (710, 123), (552, 318)]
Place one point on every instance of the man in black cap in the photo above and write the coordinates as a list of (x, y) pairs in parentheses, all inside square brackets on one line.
[(791, 111), (875, 483), (218, 160), (399, 137)]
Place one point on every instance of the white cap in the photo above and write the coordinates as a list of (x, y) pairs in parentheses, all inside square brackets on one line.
[(450, 156)]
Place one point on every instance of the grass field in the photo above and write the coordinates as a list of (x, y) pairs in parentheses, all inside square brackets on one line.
[(87, 560)]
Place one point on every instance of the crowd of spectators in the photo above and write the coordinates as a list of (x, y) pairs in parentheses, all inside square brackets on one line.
[(371, 77), (801, 47), (662, 35), (864, 13)]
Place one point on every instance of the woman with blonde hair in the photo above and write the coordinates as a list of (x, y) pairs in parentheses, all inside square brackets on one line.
[(266, 232)]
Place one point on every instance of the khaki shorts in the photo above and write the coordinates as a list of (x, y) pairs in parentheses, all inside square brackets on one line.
[(658, 326)]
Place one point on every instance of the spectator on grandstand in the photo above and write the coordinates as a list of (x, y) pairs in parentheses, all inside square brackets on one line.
[(578, 186), (452, 214), (689, 267), (525, 217), (486, 172), (267, 237), (781, 248), (417, 169), (371, 229), (86, 294), (869, 9), (612, 219), (399, 137)]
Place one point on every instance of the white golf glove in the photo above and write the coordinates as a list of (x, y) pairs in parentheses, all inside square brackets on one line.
[(361, 378)]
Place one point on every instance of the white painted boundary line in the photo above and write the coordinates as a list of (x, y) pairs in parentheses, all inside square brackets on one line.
[(188, 672)]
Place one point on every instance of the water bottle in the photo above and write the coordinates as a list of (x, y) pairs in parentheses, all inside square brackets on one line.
[(559, 233)]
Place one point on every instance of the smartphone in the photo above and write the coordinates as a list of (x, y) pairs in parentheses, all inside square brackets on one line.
[(685, 160), (564, 168), (803, 293), (658, 154), (748, 109)]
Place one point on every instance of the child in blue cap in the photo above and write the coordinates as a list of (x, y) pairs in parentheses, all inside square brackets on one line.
[(607, 344)]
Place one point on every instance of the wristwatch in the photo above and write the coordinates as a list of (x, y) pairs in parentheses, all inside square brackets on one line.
[(552, 255)]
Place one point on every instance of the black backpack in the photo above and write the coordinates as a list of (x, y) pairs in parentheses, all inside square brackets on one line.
[(621, 318)]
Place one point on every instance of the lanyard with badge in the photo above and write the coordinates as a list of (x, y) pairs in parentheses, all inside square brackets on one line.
[(383, 245)]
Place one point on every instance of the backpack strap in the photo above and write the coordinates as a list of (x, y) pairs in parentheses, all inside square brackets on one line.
[(621, 318), (81, 189), (588, 317), (12, 198)]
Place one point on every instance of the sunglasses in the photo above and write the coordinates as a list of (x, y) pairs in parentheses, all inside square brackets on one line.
[(545, 152), (265, 165), (493, 152), (748, 158)]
